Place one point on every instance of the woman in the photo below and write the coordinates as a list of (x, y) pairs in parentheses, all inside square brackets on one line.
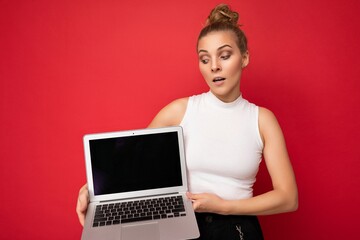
[(226, 137)]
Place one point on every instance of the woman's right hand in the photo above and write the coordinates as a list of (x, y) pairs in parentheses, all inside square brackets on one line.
[(82, 203)]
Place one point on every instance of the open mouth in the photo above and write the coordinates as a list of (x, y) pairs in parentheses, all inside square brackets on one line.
[(218, 79)]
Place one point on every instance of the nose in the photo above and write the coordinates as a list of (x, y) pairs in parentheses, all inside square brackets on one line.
[(215, 66)]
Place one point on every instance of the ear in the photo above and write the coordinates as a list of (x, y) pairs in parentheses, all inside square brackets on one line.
[(245, 59)]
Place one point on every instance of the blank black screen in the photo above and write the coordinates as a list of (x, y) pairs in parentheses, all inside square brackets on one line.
[(135, 163)]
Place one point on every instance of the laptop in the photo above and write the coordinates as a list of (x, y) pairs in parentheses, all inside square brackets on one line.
[(137, 184)]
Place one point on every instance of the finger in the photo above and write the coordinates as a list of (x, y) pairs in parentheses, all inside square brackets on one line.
[(195, 196), (84, 188), (80, 212), (83, 198), (81, 217), (189, 195), (84, 192), (82, 204)]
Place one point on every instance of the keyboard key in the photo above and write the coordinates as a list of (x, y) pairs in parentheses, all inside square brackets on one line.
[(100, 219), (178, 209), (136, 219), (139, 210)]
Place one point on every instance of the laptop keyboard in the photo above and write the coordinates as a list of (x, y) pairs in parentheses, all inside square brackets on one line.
[(139, 210)]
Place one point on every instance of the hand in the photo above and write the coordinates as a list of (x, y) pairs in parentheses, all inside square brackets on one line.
[(207, 202), (82, 203)]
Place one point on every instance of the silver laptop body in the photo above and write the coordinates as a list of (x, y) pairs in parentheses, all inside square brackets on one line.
[(129, 169)]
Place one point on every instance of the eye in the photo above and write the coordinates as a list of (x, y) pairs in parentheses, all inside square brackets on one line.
[(204, 61), (225, 57)]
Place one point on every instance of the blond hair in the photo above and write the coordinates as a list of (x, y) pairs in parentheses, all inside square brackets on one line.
[(222, 18)]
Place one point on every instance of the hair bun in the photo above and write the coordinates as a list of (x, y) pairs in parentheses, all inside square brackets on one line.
[(223, 14)]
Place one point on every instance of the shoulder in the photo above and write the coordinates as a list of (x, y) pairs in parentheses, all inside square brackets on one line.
[(171, 114), (176, 106), (265, 114), (268, 124)]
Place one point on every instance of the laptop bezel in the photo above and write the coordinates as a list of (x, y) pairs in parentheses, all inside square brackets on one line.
[(134, 194)]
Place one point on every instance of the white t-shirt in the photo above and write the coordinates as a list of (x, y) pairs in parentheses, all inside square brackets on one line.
[(223, 146)]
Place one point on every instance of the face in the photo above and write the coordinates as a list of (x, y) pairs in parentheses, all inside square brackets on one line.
[(221, 64)]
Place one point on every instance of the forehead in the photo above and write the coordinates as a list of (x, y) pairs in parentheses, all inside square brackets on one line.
[(216, 39)]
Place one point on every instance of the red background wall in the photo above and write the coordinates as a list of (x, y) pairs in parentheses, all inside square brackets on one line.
[(73, 67)]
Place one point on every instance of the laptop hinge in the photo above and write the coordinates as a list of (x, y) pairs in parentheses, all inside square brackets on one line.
[(147, 196)]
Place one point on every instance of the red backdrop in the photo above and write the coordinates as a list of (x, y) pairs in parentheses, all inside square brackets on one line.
[(73, 67)]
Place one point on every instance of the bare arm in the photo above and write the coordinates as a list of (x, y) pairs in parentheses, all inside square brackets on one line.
[(282, 198), (171, 115)]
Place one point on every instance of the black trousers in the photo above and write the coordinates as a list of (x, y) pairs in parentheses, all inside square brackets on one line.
[(228, 227)]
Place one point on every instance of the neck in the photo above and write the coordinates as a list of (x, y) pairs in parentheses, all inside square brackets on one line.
[(227, 99)]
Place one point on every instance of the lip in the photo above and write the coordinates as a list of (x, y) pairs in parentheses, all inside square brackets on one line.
[(218, 81)]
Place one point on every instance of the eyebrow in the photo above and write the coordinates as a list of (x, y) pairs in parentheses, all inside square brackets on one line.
[(219, 48)]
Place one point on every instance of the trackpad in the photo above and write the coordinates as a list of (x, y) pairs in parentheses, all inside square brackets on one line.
[(148, 231)]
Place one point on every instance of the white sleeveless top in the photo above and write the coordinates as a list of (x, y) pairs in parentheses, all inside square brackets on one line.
[(223, 146)]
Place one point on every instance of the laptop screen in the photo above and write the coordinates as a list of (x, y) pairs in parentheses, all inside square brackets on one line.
[(134, 163)]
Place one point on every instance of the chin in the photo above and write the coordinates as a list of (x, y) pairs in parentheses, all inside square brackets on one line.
[(225, 95), (221, 91)]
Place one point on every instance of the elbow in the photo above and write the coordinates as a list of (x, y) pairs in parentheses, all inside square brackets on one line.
[(292, 203), (293, 206), (289, 201)]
